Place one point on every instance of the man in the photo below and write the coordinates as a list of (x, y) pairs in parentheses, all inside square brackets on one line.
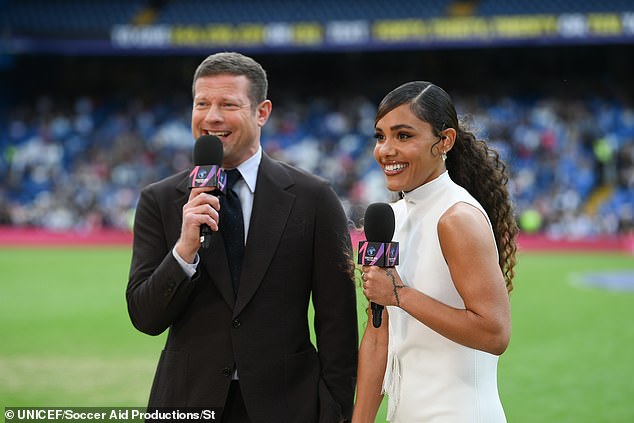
[(243, 345)]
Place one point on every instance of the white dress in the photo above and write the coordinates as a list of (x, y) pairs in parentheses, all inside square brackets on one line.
[(430, 378)]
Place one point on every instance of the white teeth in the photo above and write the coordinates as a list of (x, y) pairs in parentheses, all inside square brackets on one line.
[(395, 167), (217, 134)]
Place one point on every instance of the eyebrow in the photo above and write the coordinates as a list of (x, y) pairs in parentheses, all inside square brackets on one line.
[(401, 126), (397, 127), (222, 97)]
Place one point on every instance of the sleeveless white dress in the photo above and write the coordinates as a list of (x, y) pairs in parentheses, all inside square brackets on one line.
[(430, 378)]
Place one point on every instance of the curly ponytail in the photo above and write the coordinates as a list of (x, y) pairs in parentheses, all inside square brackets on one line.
[(478, 169)]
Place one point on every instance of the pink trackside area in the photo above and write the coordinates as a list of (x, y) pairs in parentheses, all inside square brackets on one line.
[(11, 236)]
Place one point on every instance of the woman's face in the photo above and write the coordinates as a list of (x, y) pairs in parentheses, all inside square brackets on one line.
[(407, 150)]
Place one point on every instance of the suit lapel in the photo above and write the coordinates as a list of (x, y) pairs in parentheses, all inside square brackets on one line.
[(213, 260), (272, 205), (183, 189)]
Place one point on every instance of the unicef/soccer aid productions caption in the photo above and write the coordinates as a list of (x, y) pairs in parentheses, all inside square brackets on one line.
[(109, 414)]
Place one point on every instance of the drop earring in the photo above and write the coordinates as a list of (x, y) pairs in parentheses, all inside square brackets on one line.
[(444, 156)]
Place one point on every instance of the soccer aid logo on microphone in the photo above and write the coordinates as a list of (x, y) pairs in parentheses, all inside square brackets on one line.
[(371, 253), (201, 176), (222, 180), (391, 257), (207, 176)]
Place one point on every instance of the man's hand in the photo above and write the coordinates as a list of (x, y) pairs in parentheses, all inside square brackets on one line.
[(201, 209)]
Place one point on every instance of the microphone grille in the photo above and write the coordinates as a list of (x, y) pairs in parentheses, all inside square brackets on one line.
[(208, 151), (379, 222)]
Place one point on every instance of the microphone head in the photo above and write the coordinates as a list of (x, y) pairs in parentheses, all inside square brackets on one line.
[(379, 222), (208, 151)]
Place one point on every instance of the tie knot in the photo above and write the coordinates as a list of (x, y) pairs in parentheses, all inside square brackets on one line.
[(233, 176)]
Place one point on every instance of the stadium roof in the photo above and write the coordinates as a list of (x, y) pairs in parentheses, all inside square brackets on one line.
[(193, 26)]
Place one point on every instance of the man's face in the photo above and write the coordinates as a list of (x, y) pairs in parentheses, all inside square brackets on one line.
[(222, 108)]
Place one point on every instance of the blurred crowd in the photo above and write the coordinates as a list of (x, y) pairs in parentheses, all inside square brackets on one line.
[(80, 165)]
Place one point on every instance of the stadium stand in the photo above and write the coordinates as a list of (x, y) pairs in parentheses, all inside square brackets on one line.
[(83, 166), (199, 11), (79, 140), (66, 17), (535, 7)]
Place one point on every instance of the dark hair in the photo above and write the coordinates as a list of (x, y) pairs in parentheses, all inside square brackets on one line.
[(471, 163), (235, 64)]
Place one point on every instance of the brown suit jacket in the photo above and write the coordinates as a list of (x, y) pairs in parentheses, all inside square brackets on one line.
[(298, 246)]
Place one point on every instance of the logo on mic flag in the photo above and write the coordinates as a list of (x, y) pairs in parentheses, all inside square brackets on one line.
[(382, 254), (208, 176)]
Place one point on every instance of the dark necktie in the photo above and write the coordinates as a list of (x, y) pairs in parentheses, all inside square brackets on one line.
[(232, 227)]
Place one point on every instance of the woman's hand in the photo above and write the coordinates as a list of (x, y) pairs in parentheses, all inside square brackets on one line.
[(381, 285)]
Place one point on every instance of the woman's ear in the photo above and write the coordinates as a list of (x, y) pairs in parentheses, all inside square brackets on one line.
[(448, 137)]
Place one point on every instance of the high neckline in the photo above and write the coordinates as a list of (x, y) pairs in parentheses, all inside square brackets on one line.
[(427, 190)]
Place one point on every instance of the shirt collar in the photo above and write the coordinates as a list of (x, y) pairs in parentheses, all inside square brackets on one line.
[(249, 169), (426, 191)]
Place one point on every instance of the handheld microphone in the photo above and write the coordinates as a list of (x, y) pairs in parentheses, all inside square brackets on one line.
[(207, 172), (378, 249)]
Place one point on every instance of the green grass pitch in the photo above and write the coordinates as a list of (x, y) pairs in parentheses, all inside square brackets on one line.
[(66, 339)]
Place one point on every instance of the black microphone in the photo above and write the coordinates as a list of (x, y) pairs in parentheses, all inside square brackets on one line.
[(378, 249), (207, 172)]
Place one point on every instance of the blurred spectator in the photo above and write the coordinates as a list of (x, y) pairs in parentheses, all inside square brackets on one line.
[(80, 166)]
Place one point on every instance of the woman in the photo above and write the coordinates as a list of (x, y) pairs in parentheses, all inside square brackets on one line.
[(447, 306)]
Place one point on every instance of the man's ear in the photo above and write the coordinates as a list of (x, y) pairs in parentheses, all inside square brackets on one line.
[(263, 112)]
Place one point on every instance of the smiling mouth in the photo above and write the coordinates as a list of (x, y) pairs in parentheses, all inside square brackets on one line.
[(394, 168), (219, 134)]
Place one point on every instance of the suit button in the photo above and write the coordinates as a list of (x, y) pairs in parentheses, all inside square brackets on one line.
[(226, 372), (236, 323)]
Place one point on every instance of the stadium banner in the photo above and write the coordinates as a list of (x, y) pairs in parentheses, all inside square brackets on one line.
[(362, 34)]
